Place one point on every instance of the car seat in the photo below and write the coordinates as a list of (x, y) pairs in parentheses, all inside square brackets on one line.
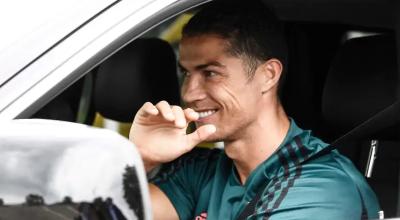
[(311, 47), (144, 70), (362, 81)]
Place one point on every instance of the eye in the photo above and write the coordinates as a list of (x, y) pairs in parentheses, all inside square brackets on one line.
[(209, 73), (184, 73)]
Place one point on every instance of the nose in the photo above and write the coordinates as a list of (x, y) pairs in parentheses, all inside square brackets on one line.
[(193, 89)]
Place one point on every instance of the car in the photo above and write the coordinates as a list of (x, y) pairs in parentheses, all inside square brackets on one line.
[(90, 61)]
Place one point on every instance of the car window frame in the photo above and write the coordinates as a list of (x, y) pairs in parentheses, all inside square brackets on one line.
[(28, 100), (27, 41)]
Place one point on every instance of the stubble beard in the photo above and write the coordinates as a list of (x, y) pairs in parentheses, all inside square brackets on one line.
[(227, 135)]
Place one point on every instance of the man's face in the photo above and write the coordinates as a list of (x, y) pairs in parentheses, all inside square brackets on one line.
[(216, 85)]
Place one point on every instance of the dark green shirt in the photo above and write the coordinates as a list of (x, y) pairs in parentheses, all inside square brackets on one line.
[(203, 184)]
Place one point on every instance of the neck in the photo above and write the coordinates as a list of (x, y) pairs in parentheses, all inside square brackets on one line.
[(258, 142)]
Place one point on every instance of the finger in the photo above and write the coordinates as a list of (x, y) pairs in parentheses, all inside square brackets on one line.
[(180, 120), (166, 110), (147, 109), (201, 134), (191, 115)]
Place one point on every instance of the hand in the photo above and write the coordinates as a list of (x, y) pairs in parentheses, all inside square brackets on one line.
[(159, 132)]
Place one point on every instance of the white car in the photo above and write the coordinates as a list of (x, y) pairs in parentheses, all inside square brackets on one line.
[(67, 60), (49, 46)]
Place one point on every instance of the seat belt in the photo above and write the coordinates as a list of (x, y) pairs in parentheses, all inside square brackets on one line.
[(389, 115)]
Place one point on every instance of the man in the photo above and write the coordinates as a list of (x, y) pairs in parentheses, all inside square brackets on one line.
[(233, 57)]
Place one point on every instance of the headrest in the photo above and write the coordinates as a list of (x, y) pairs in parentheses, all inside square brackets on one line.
[(145, 70), (362, 81)]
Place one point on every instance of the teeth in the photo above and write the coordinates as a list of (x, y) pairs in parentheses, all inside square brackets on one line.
[(206, 113)]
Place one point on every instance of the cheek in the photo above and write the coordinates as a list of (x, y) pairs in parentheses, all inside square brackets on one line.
[(246, 100), (228, 96)]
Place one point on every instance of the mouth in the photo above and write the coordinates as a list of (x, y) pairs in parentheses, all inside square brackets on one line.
[(205, 113)]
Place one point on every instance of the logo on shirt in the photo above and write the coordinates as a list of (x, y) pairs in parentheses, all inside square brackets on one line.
[(202, 216)]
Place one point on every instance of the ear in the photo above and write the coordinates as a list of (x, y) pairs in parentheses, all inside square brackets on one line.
[(271, 71)]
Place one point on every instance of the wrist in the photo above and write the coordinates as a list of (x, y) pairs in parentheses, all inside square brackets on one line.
[(148, 163)]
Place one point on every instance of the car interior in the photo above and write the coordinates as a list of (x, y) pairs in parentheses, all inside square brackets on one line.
[(342, 72)]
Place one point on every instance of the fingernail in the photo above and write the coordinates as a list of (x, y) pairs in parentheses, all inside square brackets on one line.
[(212, 129), (170, 116), (154, 110), (181, 123)]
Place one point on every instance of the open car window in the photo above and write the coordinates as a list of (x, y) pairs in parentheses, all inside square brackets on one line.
[(98, 88)]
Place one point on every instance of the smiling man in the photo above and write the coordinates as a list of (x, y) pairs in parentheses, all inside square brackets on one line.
[(233, 56)]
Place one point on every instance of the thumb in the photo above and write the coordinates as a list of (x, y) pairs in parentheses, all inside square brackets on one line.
[(200, 134)]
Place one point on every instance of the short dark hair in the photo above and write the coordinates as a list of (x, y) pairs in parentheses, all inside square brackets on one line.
[(252, 30)]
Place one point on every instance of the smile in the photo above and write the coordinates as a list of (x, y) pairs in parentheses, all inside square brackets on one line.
[(203, 114)]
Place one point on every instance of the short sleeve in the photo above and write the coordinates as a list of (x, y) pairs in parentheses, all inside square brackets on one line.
[(182, 179)]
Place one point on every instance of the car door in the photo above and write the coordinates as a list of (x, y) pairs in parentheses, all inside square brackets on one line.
[(30, 79)]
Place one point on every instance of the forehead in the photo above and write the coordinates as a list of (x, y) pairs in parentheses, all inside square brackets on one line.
[(202, 48)]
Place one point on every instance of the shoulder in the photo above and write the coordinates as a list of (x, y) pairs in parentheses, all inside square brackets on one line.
[(184, 179), (306, 186), (195, 161), (198, 156), (328, 186)]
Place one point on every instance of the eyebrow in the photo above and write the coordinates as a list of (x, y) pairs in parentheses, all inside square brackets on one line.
[(204, 66)]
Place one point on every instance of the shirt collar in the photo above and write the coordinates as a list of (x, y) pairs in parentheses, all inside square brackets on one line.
[(297, 146)]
